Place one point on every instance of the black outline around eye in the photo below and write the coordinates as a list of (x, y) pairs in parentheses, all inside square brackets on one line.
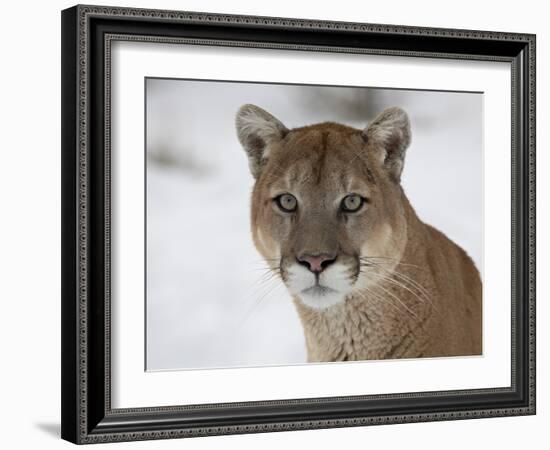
[(361, 204), (280, 205)]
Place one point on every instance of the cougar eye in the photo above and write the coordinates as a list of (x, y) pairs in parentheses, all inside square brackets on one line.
[(352, 203), (287, 202)]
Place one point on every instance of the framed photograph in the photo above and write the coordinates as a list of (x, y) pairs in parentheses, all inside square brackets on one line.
[(280, 224)]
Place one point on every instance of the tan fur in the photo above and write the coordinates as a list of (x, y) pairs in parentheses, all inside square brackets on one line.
[(421, 297)]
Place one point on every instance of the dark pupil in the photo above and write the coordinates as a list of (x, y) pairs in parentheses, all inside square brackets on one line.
[(352, 202), (288, 202)]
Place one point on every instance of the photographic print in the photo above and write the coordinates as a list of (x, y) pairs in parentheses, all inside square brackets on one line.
[(292, 224), (254, 207)]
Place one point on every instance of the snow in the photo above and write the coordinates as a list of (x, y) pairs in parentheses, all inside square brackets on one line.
[(209, 300)]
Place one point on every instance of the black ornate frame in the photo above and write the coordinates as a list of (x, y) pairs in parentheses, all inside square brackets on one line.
[(87, 33)]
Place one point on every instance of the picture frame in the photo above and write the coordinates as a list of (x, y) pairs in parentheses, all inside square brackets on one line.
[(88, 33)]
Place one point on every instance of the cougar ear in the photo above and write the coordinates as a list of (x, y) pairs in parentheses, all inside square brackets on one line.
[(390, 132), (257, 129)]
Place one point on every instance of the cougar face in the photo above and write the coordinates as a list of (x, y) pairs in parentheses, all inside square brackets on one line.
[(326, 200)]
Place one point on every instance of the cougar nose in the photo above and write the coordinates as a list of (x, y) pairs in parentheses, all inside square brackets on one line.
[(316, 263)]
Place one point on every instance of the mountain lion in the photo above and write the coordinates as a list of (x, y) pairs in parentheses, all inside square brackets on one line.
[(368, 278)]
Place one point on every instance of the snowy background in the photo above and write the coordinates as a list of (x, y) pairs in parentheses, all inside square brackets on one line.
[(208, 303)]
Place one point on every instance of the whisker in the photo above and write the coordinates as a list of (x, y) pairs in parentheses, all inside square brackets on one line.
[(399, 262), (413, 282), (266, 269), (263, 261), (262, 279), (267, 290), (382, 299), (401, 285), (390, 276), (399, 300), (276, 272), (396, 274)]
